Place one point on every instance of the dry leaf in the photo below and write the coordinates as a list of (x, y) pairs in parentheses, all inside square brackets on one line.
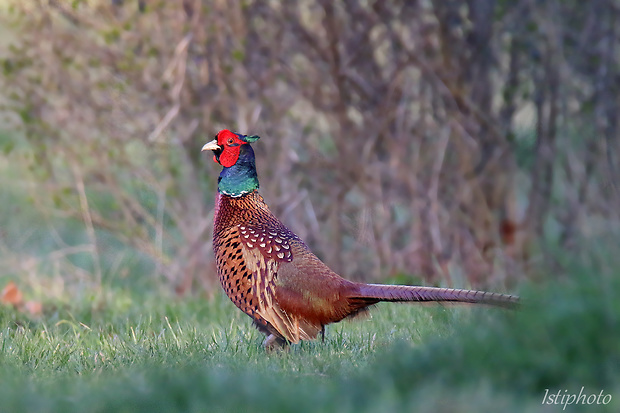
[(11, 295)]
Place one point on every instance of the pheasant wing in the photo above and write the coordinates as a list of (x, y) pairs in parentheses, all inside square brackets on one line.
[(264, 249)]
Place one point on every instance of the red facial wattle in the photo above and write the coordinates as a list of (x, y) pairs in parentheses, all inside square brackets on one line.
[(230, 144), (229, 156)]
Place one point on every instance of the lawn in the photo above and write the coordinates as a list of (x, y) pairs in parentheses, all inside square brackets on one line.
[(150, 351)]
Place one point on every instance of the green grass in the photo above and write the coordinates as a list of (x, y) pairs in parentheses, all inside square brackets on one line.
[(153, 352), (82, 352)]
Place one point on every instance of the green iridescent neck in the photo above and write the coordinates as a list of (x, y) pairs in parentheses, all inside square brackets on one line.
[(241, 178)]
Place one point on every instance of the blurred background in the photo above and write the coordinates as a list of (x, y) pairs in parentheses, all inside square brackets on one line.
[(450, 143)]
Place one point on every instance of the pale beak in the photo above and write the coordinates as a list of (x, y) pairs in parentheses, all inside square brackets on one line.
[(211, 146)]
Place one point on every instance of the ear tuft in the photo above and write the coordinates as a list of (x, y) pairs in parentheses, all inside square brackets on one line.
[(251, 139)]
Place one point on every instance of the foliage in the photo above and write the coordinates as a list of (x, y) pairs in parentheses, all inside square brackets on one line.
[(413, 137)]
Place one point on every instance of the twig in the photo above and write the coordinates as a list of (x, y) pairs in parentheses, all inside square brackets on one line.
[(86, 216)]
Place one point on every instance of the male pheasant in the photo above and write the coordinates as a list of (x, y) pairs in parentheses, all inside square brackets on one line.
[(272, 276)]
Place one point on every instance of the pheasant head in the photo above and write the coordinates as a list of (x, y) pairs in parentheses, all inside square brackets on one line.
[(234, 153)]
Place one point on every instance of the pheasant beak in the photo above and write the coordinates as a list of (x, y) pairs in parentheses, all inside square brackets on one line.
[(211, 146)]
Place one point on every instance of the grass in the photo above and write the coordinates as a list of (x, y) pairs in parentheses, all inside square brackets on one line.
[(156, 341), (161, 353)]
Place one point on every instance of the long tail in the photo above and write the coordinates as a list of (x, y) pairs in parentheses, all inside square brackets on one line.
[(372, 293)]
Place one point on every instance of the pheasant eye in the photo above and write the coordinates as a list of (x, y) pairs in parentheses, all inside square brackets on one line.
[(230, 141)]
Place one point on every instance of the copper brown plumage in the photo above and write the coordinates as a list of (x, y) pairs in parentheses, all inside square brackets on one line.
[(270, 273)]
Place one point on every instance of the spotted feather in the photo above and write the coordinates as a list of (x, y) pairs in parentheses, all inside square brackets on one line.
[(272, 243)]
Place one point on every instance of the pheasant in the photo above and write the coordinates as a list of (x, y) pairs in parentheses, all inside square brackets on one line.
[(271, 274)]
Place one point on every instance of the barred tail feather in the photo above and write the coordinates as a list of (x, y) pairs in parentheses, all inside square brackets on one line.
[(373, 293)]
